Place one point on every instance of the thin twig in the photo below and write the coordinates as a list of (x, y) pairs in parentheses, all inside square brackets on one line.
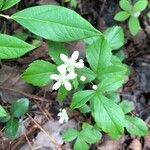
[(24, 93), (51, 139), (28, 141)]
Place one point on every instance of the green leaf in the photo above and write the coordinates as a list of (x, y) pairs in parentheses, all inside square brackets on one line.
[(1, 4), (62, 93), (21, 35), (4, 116), (136, 126), (3, 112), (91, 40), (113, 71), (20, 107), (90, 134), (70, 135), (85, 109), (113, 96), (110, 84), (81, 97), (140, 5), (134, 25), (125, 5), (80, 144), (108, 116), (11, 128), (55, 49), (121, 16), (45, 21), (73, 3), (115, 37), (12, 47), (99, 54), (127, 106), (88, 73), (121, 55), (39, 72), (8, 3), (75, 83)]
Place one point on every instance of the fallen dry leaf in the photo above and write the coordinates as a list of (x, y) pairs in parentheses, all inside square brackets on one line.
[(10, 80), (135, 145)]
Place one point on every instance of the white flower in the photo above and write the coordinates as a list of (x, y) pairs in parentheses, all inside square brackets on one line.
[(63, 78), (71, 63), (83, 78), (94, 87), (63, 116)]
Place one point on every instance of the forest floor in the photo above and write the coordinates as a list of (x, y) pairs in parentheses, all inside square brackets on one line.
[(41, 122)]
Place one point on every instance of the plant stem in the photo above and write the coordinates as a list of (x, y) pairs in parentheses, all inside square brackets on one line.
[(5, 16)]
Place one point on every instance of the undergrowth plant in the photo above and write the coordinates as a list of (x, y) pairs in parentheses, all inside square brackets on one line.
[(131, 12), (93, 81), (72, 3), (11, 119)]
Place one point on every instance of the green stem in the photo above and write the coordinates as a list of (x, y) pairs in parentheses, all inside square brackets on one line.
[(5, 16)]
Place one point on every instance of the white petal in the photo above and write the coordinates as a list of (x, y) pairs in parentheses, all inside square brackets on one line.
[(75, 55), (72, 75), (54, 77), (66, 118), (67, 85), (64, 111), (64, 58), (56, 86), (62, 69), (61, 120), (79, 65), (59, 114)]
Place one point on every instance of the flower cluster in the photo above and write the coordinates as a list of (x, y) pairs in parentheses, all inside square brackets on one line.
[(63, 116), (67, 71)]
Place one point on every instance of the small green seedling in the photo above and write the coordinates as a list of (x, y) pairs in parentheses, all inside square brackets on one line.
[(11, 119), (132, 13), (88, 135), (72, 3)]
